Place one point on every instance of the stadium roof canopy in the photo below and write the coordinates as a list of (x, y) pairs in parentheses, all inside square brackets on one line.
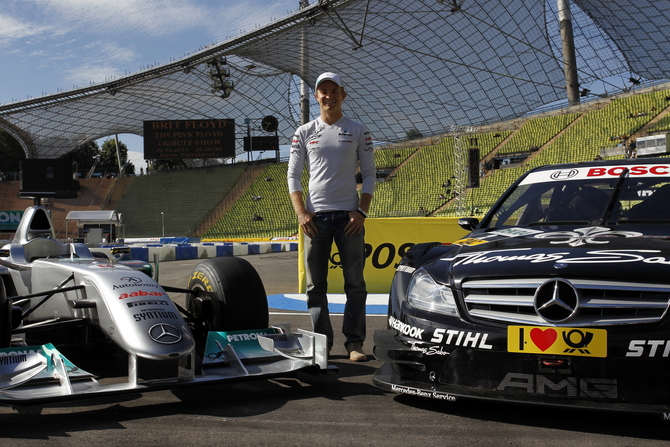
[(407, 64)]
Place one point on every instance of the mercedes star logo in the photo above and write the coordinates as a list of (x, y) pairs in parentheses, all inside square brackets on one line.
[(165, 334), (130, 279), (556, 300)]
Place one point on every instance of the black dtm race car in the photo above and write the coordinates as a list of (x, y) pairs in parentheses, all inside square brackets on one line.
[(558, 296)]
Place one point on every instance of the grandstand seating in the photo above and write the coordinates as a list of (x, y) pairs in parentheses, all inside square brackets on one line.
[(417, 188), (391, 159), (266, 198), (185, 197), (602, 128), (536, 132), (663, 125), (591, 132)]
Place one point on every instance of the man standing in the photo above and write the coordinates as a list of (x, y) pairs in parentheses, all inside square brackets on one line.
[(333, 147)]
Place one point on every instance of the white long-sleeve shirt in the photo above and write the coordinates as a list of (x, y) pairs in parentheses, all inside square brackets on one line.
[(332, 154)]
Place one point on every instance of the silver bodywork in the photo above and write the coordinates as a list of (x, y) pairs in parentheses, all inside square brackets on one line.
[(128, 307)]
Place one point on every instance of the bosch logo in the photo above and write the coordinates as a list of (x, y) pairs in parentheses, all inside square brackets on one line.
[(564, 174), (556, 301), (640, 170), (130, 279)]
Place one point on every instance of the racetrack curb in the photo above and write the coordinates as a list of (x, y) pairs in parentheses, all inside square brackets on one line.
[(377, 303)]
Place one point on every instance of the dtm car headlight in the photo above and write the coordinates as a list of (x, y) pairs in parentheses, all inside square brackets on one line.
[(424, 293)]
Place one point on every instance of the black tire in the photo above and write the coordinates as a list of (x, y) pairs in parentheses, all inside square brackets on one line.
[(235, 298), (5, 318)]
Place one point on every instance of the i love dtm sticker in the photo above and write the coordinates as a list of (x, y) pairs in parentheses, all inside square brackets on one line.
[(584, 342)]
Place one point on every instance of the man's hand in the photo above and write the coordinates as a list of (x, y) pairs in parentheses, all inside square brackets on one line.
[(355, 225), (304, 217), (307, 224)]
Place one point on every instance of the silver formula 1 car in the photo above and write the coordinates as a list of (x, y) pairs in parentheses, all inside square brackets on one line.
[(61, 297)]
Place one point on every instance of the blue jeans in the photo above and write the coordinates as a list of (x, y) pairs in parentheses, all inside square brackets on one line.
[(352, 257)]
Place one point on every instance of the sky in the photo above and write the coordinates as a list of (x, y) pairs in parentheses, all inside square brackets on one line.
[(47, 46)]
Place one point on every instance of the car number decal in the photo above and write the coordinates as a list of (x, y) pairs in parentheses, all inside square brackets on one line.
[(558, 340)]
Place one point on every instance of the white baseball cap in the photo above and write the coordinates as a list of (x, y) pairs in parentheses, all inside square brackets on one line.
[(328, 76)]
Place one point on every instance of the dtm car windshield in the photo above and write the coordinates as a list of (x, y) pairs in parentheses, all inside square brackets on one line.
[(615, 199)]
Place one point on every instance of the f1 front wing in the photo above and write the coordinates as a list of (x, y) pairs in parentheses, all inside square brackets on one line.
[(41, 375)]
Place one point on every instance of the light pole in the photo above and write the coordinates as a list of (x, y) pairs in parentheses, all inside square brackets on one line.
[(163, 222), (247, 121)]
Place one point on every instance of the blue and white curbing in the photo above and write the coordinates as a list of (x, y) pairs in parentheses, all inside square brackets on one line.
[(376, 303), (202, 250)]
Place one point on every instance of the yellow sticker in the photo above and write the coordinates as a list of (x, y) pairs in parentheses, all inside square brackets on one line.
[(470, 241), (583, 342)]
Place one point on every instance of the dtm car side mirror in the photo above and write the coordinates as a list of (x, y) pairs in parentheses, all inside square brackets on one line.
[(468, 223)]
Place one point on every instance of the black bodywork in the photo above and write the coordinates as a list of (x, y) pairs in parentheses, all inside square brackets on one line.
[(558, 296)]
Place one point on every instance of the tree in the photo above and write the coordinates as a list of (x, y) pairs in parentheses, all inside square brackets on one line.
[(413, 134), (11, 153), (84, 156), (108, 156), (169, 165)]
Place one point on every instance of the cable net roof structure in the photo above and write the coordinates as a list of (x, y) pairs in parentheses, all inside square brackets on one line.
[(421, 65)]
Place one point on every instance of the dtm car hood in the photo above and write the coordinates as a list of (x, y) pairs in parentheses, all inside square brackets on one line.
[(586, 252)]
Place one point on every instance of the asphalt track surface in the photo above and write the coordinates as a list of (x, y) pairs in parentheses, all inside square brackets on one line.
[(342, 409)]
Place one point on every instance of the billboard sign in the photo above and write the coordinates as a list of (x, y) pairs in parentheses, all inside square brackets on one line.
[(9, 220), (177, 139), (261, 144)]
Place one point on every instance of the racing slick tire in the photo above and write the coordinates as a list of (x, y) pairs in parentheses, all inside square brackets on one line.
[(235, 298), (5, 318)]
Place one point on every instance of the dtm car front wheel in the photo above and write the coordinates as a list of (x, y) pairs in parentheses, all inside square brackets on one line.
[(235, 298)]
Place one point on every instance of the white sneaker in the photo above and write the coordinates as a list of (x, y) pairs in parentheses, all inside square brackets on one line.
[(356, 353)]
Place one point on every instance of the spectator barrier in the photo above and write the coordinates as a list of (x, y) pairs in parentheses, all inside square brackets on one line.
[(387, 240)]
